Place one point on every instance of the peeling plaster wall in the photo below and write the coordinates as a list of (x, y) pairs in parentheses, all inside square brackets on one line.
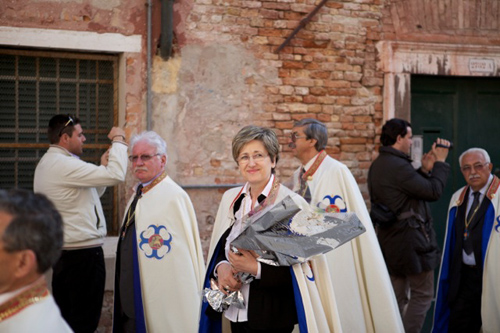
[(201, 99), (121, 16)]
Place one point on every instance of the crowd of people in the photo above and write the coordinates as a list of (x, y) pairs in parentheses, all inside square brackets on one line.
[(381, 281)]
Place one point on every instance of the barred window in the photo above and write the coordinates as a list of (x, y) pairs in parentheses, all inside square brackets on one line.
[(34, 86)]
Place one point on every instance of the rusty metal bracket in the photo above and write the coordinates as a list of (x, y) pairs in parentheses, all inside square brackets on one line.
[(302, 24)]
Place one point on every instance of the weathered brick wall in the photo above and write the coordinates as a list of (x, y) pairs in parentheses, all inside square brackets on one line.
[(228, 75), (442, 21), (120, 16), (225, 74)]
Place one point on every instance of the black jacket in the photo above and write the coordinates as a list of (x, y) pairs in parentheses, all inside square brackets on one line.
[(409, 245), (271, 303)]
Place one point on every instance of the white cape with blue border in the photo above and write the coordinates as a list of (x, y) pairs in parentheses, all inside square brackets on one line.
[(364, 295), (315, 300), (171, 269), (490, 298)]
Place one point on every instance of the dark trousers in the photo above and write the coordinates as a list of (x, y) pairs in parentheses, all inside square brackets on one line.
[(78, 287), (414, 295), (465, 311), (243, 327)]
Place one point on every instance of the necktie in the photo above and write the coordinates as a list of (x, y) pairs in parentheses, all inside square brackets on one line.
[(304, 189), (470, 216), (125, 260), (131, 211)]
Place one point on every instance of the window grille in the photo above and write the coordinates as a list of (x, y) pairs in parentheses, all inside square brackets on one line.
[(34, 86)]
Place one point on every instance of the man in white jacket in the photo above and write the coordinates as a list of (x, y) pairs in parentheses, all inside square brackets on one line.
[(75, 187)]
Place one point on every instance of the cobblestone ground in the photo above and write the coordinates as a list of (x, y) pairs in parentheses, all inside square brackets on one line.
[(105, 324)]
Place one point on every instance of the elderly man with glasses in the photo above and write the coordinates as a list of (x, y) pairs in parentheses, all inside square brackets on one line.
[(159, 264), (364, 296), (468, 297), (75, 187)]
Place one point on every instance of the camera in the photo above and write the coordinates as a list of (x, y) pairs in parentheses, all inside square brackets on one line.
[(438, 145)]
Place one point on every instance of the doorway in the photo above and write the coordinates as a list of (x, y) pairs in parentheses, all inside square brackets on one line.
[(465, 110)]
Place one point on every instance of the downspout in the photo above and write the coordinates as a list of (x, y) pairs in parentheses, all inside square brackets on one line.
[(148, 66), (167, 24)]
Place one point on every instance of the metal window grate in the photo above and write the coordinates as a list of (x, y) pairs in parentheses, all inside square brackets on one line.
[(36, 85)]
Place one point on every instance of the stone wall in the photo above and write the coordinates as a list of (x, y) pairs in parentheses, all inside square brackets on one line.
[(226, 74)]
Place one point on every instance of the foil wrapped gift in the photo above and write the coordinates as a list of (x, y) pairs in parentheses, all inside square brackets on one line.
[(283, 235), (220, 301)]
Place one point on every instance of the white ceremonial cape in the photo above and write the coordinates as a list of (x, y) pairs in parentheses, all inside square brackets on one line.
[(31, 310), (318, 312), (364, 295), (170, 258), (490, 298)]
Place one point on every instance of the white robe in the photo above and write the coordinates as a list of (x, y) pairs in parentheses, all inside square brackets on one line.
[(490, 298), (41, 316), (172, 274), (318, 298), (364, 295)]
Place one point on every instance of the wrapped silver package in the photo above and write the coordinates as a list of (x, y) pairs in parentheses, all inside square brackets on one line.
[(220, 301), (283, 235)]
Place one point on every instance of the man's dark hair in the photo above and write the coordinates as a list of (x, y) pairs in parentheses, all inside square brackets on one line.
[(60, 124), (392, 129), (314, 129), (36, 225)]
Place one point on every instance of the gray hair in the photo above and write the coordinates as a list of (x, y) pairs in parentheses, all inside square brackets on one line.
[(36, 225), (475, 150), (314, 129), (252, 132), (153, 139)]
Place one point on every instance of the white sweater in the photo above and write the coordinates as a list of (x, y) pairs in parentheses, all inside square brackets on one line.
[(75, 186)]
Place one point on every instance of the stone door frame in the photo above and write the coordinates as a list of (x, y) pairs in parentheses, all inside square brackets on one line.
[(399, 60)]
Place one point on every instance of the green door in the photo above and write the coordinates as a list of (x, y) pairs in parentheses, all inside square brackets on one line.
[(465, 110)]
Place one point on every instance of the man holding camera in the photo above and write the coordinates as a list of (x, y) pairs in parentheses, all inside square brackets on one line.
[(408, 240)]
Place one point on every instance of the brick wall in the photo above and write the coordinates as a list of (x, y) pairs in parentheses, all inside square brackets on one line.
[(229, 75)]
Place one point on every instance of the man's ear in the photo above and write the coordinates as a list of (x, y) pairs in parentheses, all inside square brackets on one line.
[(63, 139), (313, 142), (26, 263)]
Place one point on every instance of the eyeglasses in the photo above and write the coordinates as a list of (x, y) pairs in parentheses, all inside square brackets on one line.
[(144, 158), (478, 167), (245, 159), (70, 121), (294, 136)]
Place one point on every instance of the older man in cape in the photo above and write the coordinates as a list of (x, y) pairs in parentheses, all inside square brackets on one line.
[(31, 237), (364, 295), (468, 296), (159, 258)]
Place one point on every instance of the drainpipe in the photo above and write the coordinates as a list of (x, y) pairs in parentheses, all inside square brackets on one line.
[(148, 65), (167, 24)]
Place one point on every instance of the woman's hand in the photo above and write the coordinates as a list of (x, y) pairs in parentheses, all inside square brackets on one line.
[(244, 261), (226, 280)]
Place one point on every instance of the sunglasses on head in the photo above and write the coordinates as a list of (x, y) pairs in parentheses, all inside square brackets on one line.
[(70, 121)]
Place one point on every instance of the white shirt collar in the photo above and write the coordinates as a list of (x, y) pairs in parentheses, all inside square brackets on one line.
[(266, 191), (483, 189)]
